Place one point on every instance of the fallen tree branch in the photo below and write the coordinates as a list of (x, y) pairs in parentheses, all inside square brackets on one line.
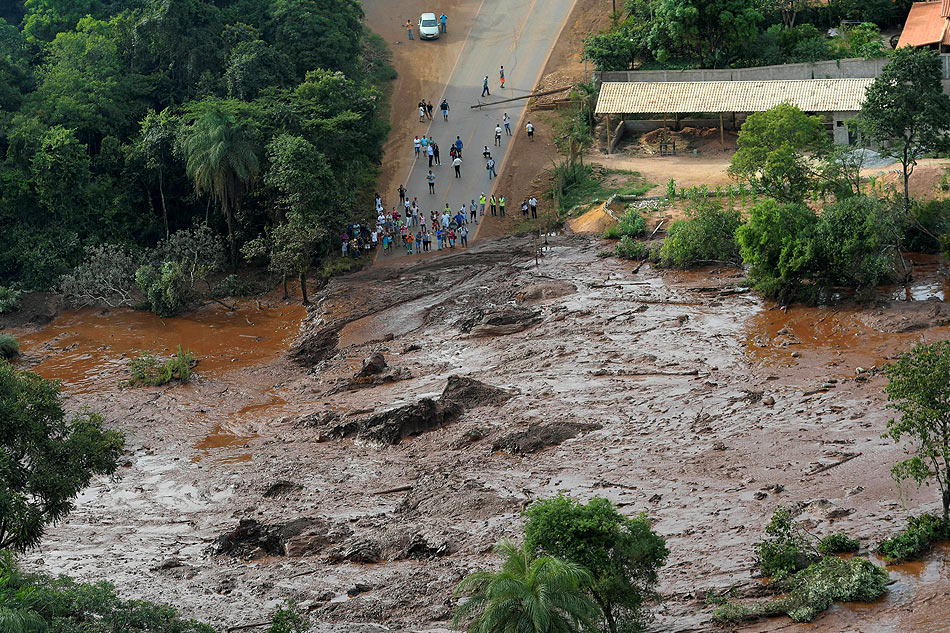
[(390, 491), (830, 466), (253, 625), (534, 94)]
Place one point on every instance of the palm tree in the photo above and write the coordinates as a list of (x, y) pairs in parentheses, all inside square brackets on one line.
[(220, 157), (528, 595)]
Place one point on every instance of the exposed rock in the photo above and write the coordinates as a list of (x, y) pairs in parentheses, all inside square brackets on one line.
[(471, 393), (375, 364), (358, 588), (299, 537), (768, 401), (356, 550), (539, 436), (500, 320), (440, 496), (316, 346)]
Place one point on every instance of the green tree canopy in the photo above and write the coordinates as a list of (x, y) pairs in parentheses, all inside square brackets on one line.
[(46, 459), (906, 111), (317, 33), (527, 595), (704, 30), (623, 554), (779, 150), (919, 389)]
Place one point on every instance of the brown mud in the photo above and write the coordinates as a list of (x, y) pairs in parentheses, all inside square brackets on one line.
[(648, 389)]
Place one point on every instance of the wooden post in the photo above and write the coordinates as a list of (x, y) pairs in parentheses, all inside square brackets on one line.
[(608, 133), (722, 133)]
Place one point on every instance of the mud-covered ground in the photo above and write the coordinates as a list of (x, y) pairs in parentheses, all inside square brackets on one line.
[(367, 498)]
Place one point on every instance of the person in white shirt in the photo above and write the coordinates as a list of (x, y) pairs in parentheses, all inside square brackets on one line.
[(530, 129), (498, 135), (457, 163), (533, 205)]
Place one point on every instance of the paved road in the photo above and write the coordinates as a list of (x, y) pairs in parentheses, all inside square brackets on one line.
[(516, 34)]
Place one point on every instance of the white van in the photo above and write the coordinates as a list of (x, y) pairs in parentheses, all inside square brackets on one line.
[(428, 27)]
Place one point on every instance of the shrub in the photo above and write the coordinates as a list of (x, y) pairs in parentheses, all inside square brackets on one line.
[(630, 224), (629, 248), (814, 589), (838, 543), (855, 243), (915, 540), (787, 547), (9, 346), (9, 299), (146, 371), (106, 276), (707, 235), (165, 288), (929, 221), (234, 286)]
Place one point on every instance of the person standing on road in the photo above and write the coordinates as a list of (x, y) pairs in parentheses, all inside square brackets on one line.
[(431, 152), (490, 166), (409, 28), (435, 153), (507, 121), (409, 240), (473, 209), (445, 110), (501, 75), (501, 206), (429, 110), (524, 208), (458, 146), (402, 194), (498, 135), (485, 90), (533, 205), (417, 145), (493, 204), (529, 128), (442, 20), (422, 111), (457, 163), (463, 233), (481, 203), (438, 238), (431, 180)]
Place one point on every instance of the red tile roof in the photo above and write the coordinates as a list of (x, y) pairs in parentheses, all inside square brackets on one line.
[(926, 23)]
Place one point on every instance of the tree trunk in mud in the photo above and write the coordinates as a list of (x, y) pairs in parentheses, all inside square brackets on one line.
[(229, 214), (303, 287), (946, 504), (286, 291), (161, 193)]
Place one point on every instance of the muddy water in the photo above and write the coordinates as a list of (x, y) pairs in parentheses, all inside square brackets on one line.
[(236, 433), (81, 347)]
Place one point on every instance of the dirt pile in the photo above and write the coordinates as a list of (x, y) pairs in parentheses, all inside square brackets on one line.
[(299, 537), (499, 321)]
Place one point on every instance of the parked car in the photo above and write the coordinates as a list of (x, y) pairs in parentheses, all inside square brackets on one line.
[(428, 27)]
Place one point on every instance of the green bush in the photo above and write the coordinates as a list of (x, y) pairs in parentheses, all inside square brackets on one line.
[(787, 547), (916, 540), (629, 248), (706, 235), (855, 243), (838, 543), (9, 299), (930, 220), (630, 224), (814, 589), (147, 371), (9, 346), (165, 288)]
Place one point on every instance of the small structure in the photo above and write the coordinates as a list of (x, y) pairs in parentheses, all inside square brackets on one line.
[(836, 99), (927, 26)]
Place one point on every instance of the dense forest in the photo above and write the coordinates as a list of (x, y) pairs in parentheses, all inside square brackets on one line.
[(124, 123), (723, 33)]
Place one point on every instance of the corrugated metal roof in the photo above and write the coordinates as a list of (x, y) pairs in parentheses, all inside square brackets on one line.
[(811, 95), (945, 8), (925, 24)]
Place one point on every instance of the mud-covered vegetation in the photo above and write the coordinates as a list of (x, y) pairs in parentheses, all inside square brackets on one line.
[(9, 346), (147, 370), (916, 540), (125, 122)]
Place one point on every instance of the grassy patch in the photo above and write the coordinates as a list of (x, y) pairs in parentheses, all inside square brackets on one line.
[(631, 224), (338, 265), (9, 346), (813, 589), (575, 183), (147, 371), (917, 539), (838, 543)]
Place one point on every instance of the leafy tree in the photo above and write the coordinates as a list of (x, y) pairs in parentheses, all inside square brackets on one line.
[(318, 33), (777, 151), (289, 248), (856, 241), (787, 9), (622, 554), (905, 110), (254, 66), (527, 595), (45, 458), (705, 30), (219, 143), (156, 144), (777, 243), (106, 275), (198, 251), (164, 286), (44, 19), (919, 389), (612, 50), (706, 235)]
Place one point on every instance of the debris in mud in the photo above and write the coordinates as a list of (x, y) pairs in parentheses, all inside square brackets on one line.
[(317, 346), (375, 364), (443, 496), (544, 290), (299, 537), (356, 550), (390, 427), (283, 487), (499, 321), (540, 436)]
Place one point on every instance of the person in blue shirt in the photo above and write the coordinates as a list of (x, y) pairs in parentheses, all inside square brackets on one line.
[(458, 146), (442, 20)]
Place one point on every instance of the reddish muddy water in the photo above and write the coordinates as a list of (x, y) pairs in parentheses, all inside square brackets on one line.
[(80, 347)]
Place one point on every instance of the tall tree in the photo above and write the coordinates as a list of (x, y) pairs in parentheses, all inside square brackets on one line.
[(622, 554), (155, 144), (705, 30), (905, 110), (318, 33), (919, 389), (219, 143), (528, 595), (45, 458)]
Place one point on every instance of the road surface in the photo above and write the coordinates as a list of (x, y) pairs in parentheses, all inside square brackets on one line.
[(516, 34)]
